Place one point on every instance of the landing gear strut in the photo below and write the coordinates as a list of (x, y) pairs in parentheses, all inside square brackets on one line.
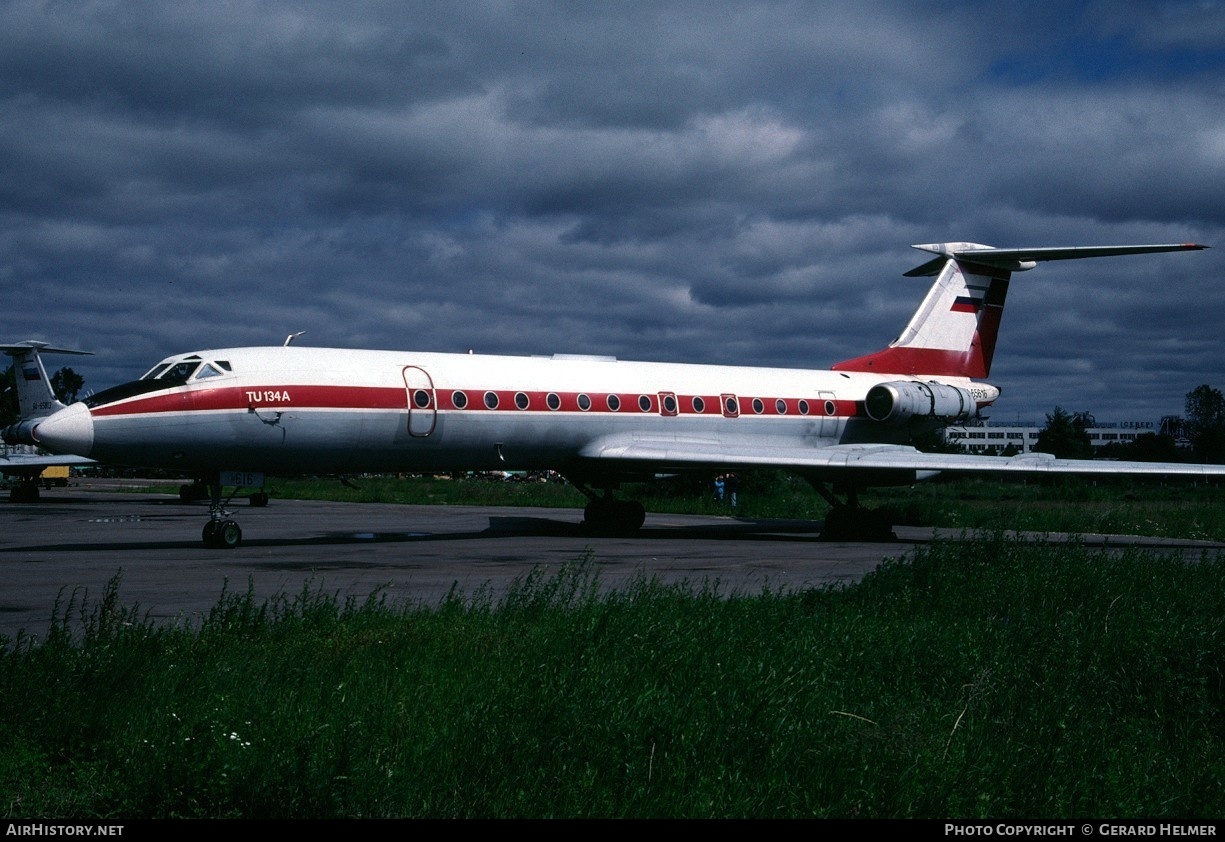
[(848, 521), (606, 515)]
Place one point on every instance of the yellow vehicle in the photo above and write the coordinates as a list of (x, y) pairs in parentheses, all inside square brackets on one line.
[(55, 476)]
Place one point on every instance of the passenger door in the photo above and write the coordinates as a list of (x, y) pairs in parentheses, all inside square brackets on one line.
[(422, 401)]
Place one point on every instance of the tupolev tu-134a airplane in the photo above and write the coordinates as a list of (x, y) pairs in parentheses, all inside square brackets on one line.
[(232, 415)]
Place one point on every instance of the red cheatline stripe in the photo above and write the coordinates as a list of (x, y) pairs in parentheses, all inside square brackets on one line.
[(363, 397)]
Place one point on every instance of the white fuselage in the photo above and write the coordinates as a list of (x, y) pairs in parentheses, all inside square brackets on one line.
[(318, 410)]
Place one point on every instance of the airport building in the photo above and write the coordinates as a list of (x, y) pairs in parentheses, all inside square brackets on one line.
[(1021, 437)]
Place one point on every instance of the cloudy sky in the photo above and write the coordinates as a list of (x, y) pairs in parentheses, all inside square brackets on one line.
[(711, 181)]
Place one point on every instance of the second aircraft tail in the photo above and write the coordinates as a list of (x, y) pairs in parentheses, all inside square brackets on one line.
[(35, 397)]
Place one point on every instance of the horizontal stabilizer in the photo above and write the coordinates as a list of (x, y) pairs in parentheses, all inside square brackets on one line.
[(1016, 260), (25, 346)]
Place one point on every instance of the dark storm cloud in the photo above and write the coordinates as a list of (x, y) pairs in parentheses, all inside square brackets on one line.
[(721, 182)]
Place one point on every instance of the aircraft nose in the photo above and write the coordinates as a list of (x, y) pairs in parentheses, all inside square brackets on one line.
[(71, 431)]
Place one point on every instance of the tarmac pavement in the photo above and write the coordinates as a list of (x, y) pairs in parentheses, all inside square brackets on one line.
[(67, 547)]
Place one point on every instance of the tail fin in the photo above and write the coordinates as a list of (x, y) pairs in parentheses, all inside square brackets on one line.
[(35, 397), (953, 332)]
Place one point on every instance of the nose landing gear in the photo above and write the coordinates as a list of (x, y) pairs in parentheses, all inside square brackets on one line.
[(221, 532)]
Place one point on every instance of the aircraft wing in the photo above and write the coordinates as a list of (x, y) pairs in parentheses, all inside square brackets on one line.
[(21, 464), (846, 460)]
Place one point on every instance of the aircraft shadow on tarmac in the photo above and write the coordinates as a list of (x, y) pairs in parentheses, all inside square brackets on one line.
[(524, 526), (500, 527)]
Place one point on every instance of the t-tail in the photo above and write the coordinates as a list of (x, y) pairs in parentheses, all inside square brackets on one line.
[(954, 331), (35, 397)]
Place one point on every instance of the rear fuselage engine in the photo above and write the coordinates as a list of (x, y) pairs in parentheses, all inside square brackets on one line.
[(901, 401)]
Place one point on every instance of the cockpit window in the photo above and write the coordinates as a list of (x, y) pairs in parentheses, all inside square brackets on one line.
[(164, 375), (155, 371), (208, 370), (171, 370), (179, 372)]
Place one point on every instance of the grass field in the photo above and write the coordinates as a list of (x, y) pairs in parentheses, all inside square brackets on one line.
[(991, 678), (1171, 509)]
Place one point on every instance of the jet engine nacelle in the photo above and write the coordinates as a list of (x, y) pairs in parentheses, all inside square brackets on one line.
[(20, 433), (898, 401)]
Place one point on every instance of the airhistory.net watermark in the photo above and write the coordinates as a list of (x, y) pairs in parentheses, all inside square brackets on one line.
[(48, 829)]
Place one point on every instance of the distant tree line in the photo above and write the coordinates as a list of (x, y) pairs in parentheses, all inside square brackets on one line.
[(1206, 423), (1066, 434)]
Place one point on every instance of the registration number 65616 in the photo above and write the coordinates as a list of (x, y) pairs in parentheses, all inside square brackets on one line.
[(243, 479)]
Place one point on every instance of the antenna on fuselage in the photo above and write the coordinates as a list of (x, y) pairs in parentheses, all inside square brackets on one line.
[(292, 337)]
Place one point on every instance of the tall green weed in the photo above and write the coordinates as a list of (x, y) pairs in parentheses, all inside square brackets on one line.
[(991, 678)]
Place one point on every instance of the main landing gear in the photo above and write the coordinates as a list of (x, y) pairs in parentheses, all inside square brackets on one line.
[(848, 521), (25, 491), (606, 515)]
